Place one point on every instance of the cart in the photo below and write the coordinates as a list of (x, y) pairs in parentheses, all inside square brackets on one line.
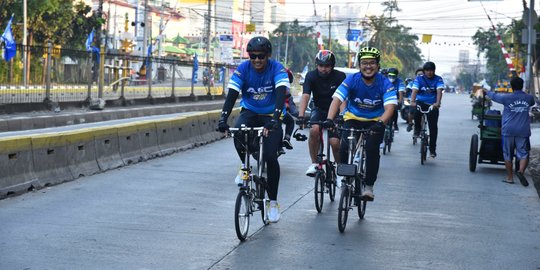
[(486, 147)]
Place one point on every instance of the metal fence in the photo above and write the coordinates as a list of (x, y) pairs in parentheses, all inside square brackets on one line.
[(66, 75)]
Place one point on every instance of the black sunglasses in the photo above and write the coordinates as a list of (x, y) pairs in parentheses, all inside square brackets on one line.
[(255, 56)]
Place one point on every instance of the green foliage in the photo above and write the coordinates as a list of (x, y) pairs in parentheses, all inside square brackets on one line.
[(465, 80), (397, 45), (486, 42), (302, 46)]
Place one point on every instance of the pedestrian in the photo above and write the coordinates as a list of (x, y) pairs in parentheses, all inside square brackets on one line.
[(516, 128)]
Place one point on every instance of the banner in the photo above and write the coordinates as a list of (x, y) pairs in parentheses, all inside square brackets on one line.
[(426, 38), (10, 47)]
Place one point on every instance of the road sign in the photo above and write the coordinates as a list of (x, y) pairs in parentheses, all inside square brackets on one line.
[(354, 34), (250, 27), (226, 38)]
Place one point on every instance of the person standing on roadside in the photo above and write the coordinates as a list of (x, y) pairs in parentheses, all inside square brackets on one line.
[(516, 128)]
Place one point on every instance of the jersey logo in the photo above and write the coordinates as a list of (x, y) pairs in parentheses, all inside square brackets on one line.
[(260, 90), (367, 103)]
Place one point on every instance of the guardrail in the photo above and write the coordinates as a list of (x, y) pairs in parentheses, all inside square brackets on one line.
[(33, 162)]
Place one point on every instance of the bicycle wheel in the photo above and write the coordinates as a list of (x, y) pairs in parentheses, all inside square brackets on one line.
[(343, 209), (331, 179), (319, 190), (423, 150), (241, 215), (261, 191), (361, 203)]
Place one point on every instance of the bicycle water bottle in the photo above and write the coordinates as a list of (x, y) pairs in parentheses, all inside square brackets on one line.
[(356, 158)]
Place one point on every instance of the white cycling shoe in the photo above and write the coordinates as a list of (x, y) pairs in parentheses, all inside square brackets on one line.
[(312, 169)]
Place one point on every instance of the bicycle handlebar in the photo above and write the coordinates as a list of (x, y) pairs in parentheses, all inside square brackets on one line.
[(419, 108)]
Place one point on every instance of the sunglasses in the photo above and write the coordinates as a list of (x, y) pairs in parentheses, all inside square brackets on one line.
[(255, 56)]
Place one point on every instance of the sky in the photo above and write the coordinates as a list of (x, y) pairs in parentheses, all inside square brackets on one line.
[(451, 22)]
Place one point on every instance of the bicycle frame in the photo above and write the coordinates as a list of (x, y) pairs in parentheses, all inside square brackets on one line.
[(246, 165), (424, 123)]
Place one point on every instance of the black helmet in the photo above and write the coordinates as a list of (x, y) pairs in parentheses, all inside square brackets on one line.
[(260, 44), (429, 66), (325, 57), (393, 72), (384, 71)]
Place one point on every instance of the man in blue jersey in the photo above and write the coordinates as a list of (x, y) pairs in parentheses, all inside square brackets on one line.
[(427, 91), (399, 87), (371, 101), (263, 83), (516, 127)]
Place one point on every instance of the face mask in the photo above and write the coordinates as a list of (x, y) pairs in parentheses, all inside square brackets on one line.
[(392, 79)]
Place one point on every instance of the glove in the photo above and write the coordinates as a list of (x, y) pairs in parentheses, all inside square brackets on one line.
[(301, 122), (328, 123), (272, 125), (378, 127), (222, 125)]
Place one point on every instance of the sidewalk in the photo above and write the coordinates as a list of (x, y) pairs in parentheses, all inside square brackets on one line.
[(534, 160)]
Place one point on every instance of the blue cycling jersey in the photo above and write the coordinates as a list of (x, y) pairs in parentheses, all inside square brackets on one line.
[(427, 88), (365, 102), (259, 88)]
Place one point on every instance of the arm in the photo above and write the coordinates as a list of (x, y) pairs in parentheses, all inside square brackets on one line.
[(437, 104), (388, 113), (303, 104), (229, 104), (334, 107), (413, 96)]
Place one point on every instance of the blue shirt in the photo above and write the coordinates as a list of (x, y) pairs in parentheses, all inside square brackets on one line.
[(427, 88), (259, 88), (365, 102), (515, 118)]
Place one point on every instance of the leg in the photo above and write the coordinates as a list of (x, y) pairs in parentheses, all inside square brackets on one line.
[(289, 126), (271, 146), (417, 117), (508, 150), (247, 118), (433, 119), (334, 143), (373, 157)]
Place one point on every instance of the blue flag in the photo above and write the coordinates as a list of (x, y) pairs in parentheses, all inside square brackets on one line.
[(90, 48), (194, 77), (10, 46), (89, 41)]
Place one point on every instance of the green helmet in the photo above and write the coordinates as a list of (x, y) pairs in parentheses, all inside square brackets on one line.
[(369, 52)]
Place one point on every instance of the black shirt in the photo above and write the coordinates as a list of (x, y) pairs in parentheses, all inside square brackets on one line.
[(321, 88)]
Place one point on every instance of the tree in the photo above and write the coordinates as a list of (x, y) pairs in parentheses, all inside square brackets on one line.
[(302, 46), (397, 45)]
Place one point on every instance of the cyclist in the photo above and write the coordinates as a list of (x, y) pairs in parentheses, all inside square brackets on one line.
[(322, 83), (263, 83), (399, 87), (427, 90), (371, 101), (408, 92)]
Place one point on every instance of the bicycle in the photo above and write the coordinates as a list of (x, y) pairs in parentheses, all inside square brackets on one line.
[(424, 135), (388, 138), (354, 175), (325, 174), (251, 195)]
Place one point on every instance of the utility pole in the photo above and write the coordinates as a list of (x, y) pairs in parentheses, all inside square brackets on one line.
[(145, 20), (208, 25), (329, 27), (25, 34), (348, 45), (529, 83), (287, 43), (98, 30)]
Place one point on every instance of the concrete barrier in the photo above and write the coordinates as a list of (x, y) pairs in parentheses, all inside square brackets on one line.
[(49, 155), (166, 137), (182, 132), (148, 139), (16, 166), (81, 153), (130, 144), (107, 148), (28, 162)]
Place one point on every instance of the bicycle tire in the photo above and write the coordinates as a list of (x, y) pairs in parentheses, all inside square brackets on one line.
[(242, 212), (343, 209), (319, 190), (261, 191), (331, 171), (423, 151), (361, 203)]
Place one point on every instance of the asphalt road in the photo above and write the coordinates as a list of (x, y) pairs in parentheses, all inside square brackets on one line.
[(176, 212)]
